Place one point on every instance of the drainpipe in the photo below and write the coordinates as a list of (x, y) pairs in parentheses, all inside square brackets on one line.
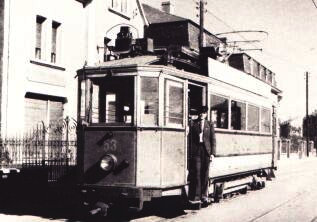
[(7, 71), (8, 66), (2, 5)]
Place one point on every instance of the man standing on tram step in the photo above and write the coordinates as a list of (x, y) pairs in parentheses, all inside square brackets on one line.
[(203, 144)]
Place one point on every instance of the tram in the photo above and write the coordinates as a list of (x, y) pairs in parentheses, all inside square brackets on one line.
[(133, 137)]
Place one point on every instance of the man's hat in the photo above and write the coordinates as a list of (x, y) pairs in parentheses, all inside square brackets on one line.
[(202, 109)]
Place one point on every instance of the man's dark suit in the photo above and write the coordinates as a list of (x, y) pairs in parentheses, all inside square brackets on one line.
[(200, 153)]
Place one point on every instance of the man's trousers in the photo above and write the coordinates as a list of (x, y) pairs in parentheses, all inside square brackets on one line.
[(200, 172)]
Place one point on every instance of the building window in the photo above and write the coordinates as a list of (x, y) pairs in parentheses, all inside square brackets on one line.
[(38, 37), (219, 111), (265, 120), (44, 111), (54, 43), (238, 115), (120, 5), (174, 103), (253, 118), (149, 101)]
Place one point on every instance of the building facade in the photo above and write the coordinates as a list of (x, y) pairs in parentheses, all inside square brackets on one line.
[(43, 44)]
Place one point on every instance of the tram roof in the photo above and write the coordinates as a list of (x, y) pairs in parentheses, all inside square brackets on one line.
[(148, 62), (144, 62), (131, 61)]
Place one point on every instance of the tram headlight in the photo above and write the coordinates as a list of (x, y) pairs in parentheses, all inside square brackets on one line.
[(108, 162)]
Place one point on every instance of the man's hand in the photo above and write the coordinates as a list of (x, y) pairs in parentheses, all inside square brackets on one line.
[(211, 158)]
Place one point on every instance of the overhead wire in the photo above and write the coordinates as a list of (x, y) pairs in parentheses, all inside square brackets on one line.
[(231, 28), (314, 3), (266, 52), (299, 66)]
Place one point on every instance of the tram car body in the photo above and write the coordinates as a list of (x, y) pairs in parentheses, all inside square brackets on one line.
[(133, 137)]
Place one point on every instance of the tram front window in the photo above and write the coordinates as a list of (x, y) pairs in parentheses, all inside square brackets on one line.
[(113, 101), (149, 101), (174, 102)]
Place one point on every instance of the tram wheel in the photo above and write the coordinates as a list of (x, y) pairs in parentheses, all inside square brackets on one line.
[(218, 193), (244, 190)]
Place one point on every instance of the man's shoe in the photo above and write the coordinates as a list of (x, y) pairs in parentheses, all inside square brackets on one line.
[(205, 203), (194, 205)]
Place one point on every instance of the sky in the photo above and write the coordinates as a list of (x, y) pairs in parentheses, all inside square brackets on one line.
[(289, 49)]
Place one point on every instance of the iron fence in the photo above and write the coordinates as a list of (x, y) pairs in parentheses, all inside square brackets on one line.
[(45, 147)]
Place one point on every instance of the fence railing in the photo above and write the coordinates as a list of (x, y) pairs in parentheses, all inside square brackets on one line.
[(44, 147), (288, 147)]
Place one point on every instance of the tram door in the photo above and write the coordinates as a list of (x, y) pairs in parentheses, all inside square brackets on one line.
[(196, 99)]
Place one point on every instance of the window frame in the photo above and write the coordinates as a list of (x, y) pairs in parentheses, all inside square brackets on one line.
[(175, 81), (228, 110), (246, 113), (39, 44), (270, 120), (82, 101), (55, 49), (41, 53), (49, 123), (259, 119), (161, 99), (247, 104), (139, 100), (118, 9)]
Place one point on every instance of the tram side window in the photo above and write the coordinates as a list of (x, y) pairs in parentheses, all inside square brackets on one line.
[(149, 101), (253, 118), (265, 120), (219, 111), (174, 103), (238, 115)]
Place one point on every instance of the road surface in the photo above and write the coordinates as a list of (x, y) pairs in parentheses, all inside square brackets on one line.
[(291, 196)]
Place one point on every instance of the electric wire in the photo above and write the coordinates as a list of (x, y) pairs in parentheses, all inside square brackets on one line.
[(231, 28), (314, 3), (266, 52), (299, 66)]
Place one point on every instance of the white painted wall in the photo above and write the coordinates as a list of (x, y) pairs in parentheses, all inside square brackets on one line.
[(22, 76), (235, 77), (108, 23), (82, 29)]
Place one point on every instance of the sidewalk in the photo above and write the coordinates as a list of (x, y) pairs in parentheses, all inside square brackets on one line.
[(294, 159)]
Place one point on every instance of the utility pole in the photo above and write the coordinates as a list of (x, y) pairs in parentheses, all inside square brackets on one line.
[(201, 22), (307, 136)]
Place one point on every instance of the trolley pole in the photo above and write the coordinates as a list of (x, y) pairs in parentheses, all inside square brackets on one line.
[(307, 135)]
